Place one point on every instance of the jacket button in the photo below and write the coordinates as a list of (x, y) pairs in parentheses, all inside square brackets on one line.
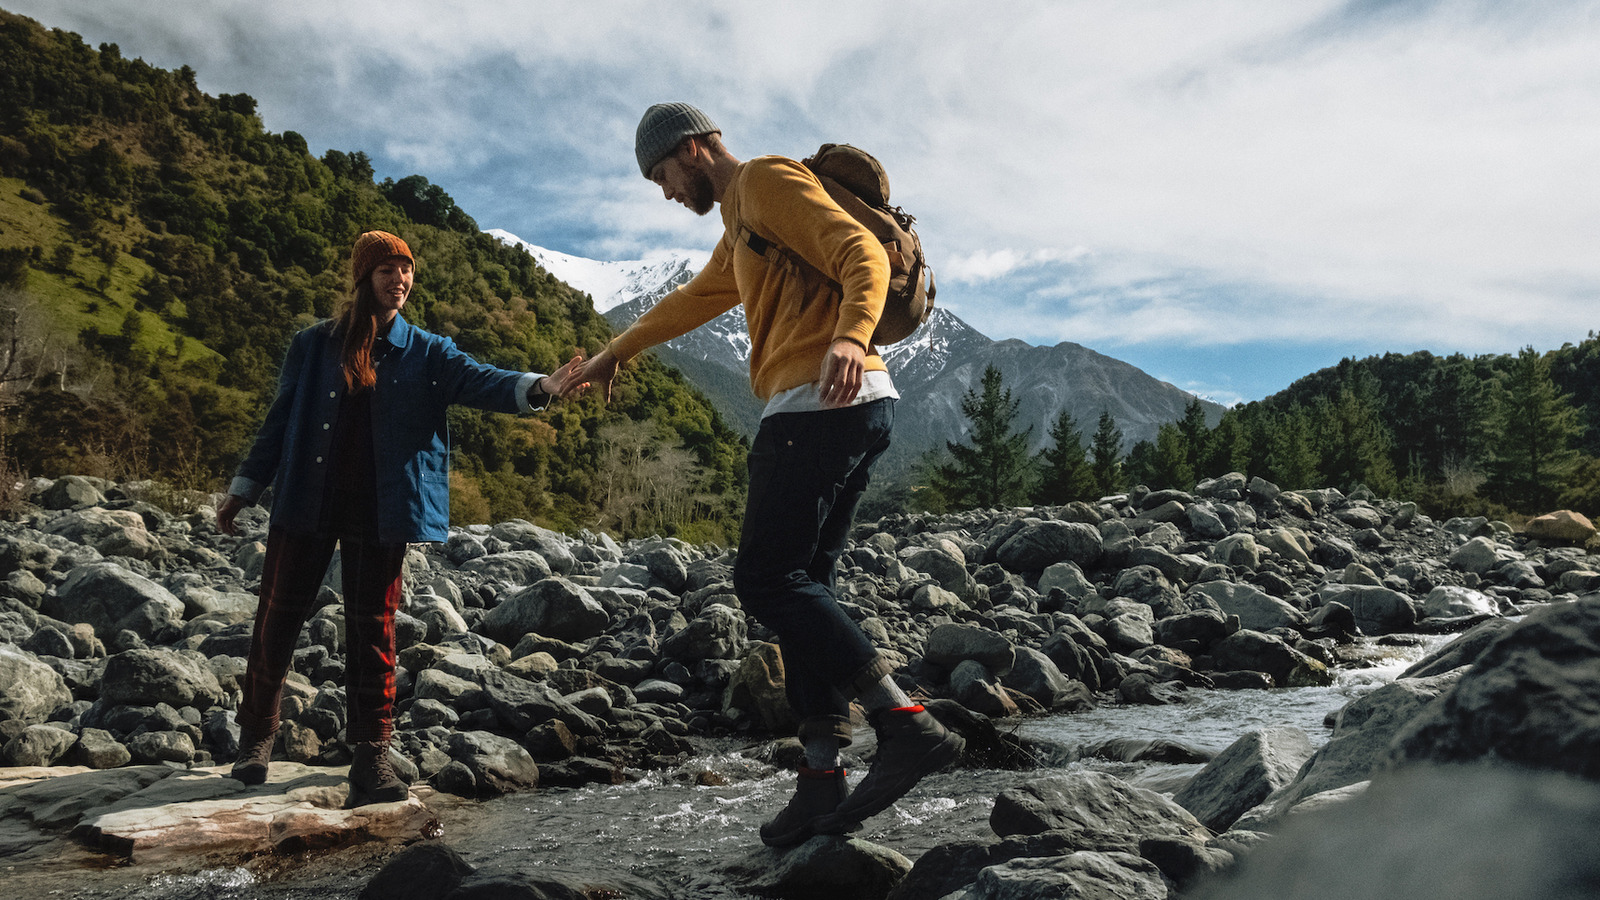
[(319, 459), (333, 393), (326, 426)]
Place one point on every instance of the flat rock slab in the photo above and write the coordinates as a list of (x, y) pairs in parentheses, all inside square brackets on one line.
[(152, 813)]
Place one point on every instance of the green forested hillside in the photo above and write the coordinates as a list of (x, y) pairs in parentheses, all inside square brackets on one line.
[(158, 247)]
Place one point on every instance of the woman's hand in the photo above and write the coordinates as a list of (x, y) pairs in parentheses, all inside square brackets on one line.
[(600, 369), (565, 381), (227, 512)]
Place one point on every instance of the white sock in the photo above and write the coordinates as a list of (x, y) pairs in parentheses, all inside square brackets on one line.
[(884, 695)]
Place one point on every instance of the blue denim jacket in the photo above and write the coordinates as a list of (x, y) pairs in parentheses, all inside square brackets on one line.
[(418, 379)]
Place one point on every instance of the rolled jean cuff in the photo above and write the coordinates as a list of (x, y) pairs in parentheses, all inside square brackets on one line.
[(871, 673), (823, 726), (253, 723)]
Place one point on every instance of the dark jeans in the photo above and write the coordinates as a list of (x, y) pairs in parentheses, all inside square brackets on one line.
[(293, 572), (808, 471)]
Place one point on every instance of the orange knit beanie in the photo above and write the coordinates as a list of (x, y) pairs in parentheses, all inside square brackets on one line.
[(372, 248)]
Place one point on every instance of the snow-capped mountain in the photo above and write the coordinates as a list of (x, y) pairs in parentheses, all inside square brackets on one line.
[(933, 369)]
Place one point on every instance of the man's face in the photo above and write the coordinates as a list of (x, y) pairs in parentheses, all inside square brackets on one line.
[(681, 178), (391, 283)]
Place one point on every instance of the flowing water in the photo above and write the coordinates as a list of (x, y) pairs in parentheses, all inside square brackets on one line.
[(671, 830)]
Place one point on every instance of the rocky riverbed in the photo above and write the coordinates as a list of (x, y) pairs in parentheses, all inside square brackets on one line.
[(531, 658)]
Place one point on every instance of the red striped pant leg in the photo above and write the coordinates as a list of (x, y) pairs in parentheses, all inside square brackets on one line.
[(290, 577), (372, 591)]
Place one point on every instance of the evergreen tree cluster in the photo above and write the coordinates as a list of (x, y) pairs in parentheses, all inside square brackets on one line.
[(160, 248), (1493, 434)]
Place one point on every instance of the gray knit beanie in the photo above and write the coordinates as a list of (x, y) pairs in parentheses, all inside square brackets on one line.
[(663, 128)]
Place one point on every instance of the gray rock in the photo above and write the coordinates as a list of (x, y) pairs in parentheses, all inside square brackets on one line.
[(33, 690), (823, 866), (1449, 601), (1244, 775), (1036, 675), (111, 598), (1084, 873), (1257, 610), (1037, 547), (146, 677), (153, 747), (1528, 699), (515, 567), (976, 688), (1068, 577), (951, 643), (97, 749), (554, 607), (1204, 521), (1478, 556), (933, 598), (38, 745), (1093, 805), (496, 765), (1148, 585), (1458, 833), (1203, 627), (1239, 551), (71, 492), (524, 705), (1359, 746), (717, 633), (521, 535), (1252, 651), (1462, 651), (1377, 610), (1288, 543)]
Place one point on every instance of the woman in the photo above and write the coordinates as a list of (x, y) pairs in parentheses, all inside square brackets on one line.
[(357, 444)]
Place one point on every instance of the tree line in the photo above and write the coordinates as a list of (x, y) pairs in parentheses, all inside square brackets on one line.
[(168, 246), (1495, 434)]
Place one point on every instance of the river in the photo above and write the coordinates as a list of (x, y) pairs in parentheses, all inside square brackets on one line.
[(671, 830)]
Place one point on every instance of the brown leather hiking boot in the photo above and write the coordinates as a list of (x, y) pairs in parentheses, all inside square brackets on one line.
[(255, 752), (911, 745), (372, 777), (817, 792)]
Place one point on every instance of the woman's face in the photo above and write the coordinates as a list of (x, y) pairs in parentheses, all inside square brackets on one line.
[(391, 284)]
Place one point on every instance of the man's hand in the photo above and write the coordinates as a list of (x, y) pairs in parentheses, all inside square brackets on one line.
[(227, 512), (564, 381), (842, 368), (601, 369)]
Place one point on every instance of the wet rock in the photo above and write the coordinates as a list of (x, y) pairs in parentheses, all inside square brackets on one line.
[(1448, 601), (426, 871), (1035, 675), (1091, 805), (1244, 775), (1359, 747), (1185, 860), (1419, 833), (976, 688), (823, 866), (1462, 651), (494, 764), (1376, 610), (1084, 873), (1253, 651), (1527, 699)]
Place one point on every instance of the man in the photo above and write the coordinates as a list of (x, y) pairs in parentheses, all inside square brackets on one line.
[(830, 405)]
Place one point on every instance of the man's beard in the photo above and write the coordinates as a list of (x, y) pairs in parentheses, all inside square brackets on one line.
[(701, 194)]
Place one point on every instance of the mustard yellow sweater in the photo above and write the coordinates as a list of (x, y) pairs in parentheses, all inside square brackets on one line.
[(793, 315)]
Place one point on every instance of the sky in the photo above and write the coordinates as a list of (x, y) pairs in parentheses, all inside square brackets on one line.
[(1229, 194)]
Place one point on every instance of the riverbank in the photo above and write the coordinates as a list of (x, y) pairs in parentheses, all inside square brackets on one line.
[(531, 658)]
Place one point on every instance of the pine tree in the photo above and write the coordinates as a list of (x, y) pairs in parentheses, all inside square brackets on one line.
[(1537, 427), (1106, 454), (1064, 474), (1170, 466), (995, 470), (1294, 461), (1196, 441)]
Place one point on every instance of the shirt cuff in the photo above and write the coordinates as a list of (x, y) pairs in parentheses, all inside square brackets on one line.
[(246, 489), (529, 397)]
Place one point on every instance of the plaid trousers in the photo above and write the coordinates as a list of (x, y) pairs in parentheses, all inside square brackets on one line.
[(292, 574)]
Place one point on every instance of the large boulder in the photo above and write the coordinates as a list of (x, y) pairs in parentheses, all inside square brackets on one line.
[(1253, 651), (1245, 774), (951, 643), (1377, 610), (518, 567), (33, 691), (1103, 811), (1257, 610), (1037, 547), (110, 598), (1530, 698), (821, 867), (553, 607), (485, 765), (1083, 873), (1450, 601), (717, 633), (152, 675), (1561, 527)]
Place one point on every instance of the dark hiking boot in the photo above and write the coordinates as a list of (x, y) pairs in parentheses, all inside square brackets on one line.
[(255, 752), (817, 792), (372, 776), (911, 745)]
